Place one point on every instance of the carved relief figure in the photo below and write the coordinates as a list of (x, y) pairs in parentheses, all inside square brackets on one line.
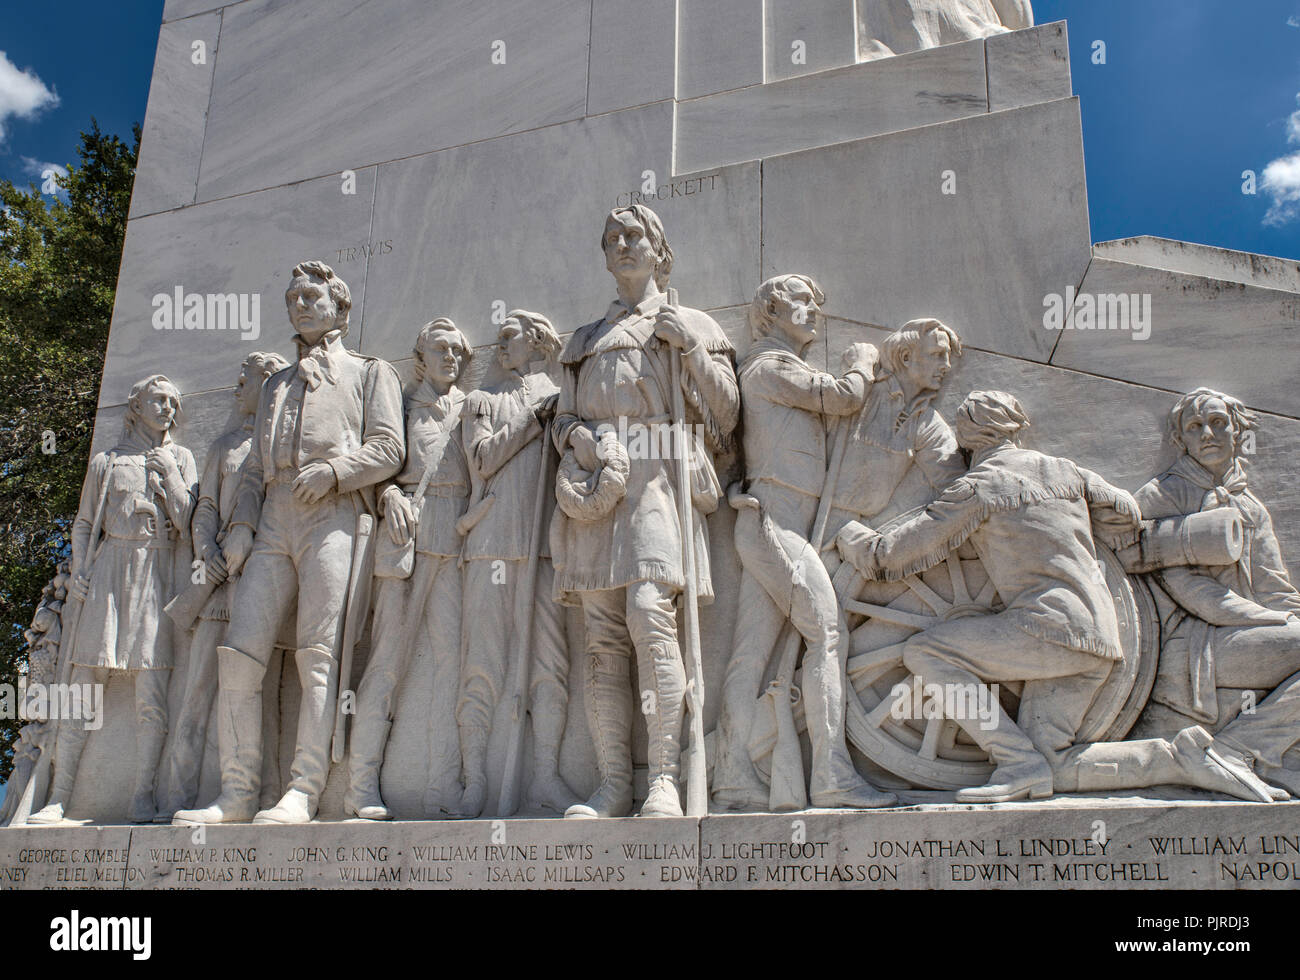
[(890, 27), (503, 429), (179, 784), (625, 568), (327, 430), (1234, 626), (1032, 520), (785, 404), (418, 602), (130, 554), (900, 453)]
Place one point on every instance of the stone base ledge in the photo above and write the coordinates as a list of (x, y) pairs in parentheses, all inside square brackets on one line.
[(1092, 844)]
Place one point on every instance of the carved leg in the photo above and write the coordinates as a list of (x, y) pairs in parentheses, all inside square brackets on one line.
[(608, 698), (317, 672), (68, 746), (150, 733), (652, 623), (179, 782)]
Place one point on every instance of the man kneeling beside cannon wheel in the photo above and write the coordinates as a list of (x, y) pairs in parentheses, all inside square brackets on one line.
[(1032, 519)]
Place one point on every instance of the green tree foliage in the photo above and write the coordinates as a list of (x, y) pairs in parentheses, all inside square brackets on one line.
[(58, 271)]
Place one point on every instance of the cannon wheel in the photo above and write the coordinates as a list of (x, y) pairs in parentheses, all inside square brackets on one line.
[(936, 753)]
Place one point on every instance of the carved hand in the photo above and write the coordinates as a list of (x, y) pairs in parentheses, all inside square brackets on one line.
[(584, 448), (862, 356), (237, 546), (79, 586), (546, 410), (314, 482), (399, 516), (215, 566), (161, 462), (672, 330)]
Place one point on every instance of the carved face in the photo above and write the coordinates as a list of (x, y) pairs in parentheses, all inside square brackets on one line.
[(628, 252), (247, 391), (311, 311), (443, 358), (926, 366), (1209, 435), (514, 348), (156, 409), (796, 315)]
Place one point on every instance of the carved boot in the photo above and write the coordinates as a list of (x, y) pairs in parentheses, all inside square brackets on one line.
[(609, 718), (311, 759), (661, 673), (71, 740), (1201, 764), (548, 789), (1021, 771), (148, 747), (473, 747), (1237, 757), (363, 799), (239, 735)]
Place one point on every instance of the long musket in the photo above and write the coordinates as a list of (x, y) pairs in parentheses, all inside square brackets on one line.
[(508, 802), (787, 791), (69, 620), (354, 617), (697, 784)]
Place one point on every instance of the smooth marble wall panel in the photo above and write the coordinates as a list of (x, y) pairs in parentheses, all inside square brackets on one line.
[(633, 54), (719, 45), (869, 220), (246, 245), (826, 28), (383, 79), (176, 9), (1204, 260), (518, 220), (1116, 428), (830, 107), (1028, 67), (172, 140), (1226, 335)]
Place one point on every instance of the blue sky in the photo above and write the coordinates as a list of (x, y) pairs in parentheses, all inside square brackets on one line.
[(1193, 93)]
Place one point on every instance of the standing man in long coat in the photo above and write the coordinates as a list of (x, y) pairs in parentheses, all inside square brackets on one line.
[(625, 569)]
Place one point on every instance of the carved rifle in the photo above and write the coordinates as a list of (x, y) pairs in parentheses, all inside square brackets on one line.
[(697, 786)]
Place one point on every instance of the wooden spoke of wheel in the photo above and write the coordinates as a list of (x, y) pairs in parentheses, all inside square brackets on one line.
[(896, 616), (960, 594)]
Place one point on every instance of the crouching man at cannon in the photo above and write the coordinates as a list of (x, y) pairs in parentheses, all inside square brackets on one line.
[(1235, 624), (1032, 520)]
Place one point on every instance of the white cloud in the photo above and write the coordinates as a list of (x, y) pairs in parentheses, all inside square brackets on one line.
[(1293, 20), (22, 94), (39, 168), (1281, 179)]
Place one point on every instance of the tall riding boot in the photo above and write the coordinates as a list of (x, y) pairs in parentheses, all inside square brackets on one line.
[(311, 759), (473, 748), (365, 756), (148, 749), (548, 789), (239, 735), (1021, 771), (661, 672), (69, 744), (609, 717)]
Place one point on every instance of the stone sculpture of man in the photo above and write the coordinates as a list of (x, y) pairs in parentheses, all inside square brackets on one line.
[(1032, 518), (179, 783), (139, 498), (786, 403), (328, 429), (503, 427), (900, 453), (1235, 626), (625, 568), (418, 609)]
